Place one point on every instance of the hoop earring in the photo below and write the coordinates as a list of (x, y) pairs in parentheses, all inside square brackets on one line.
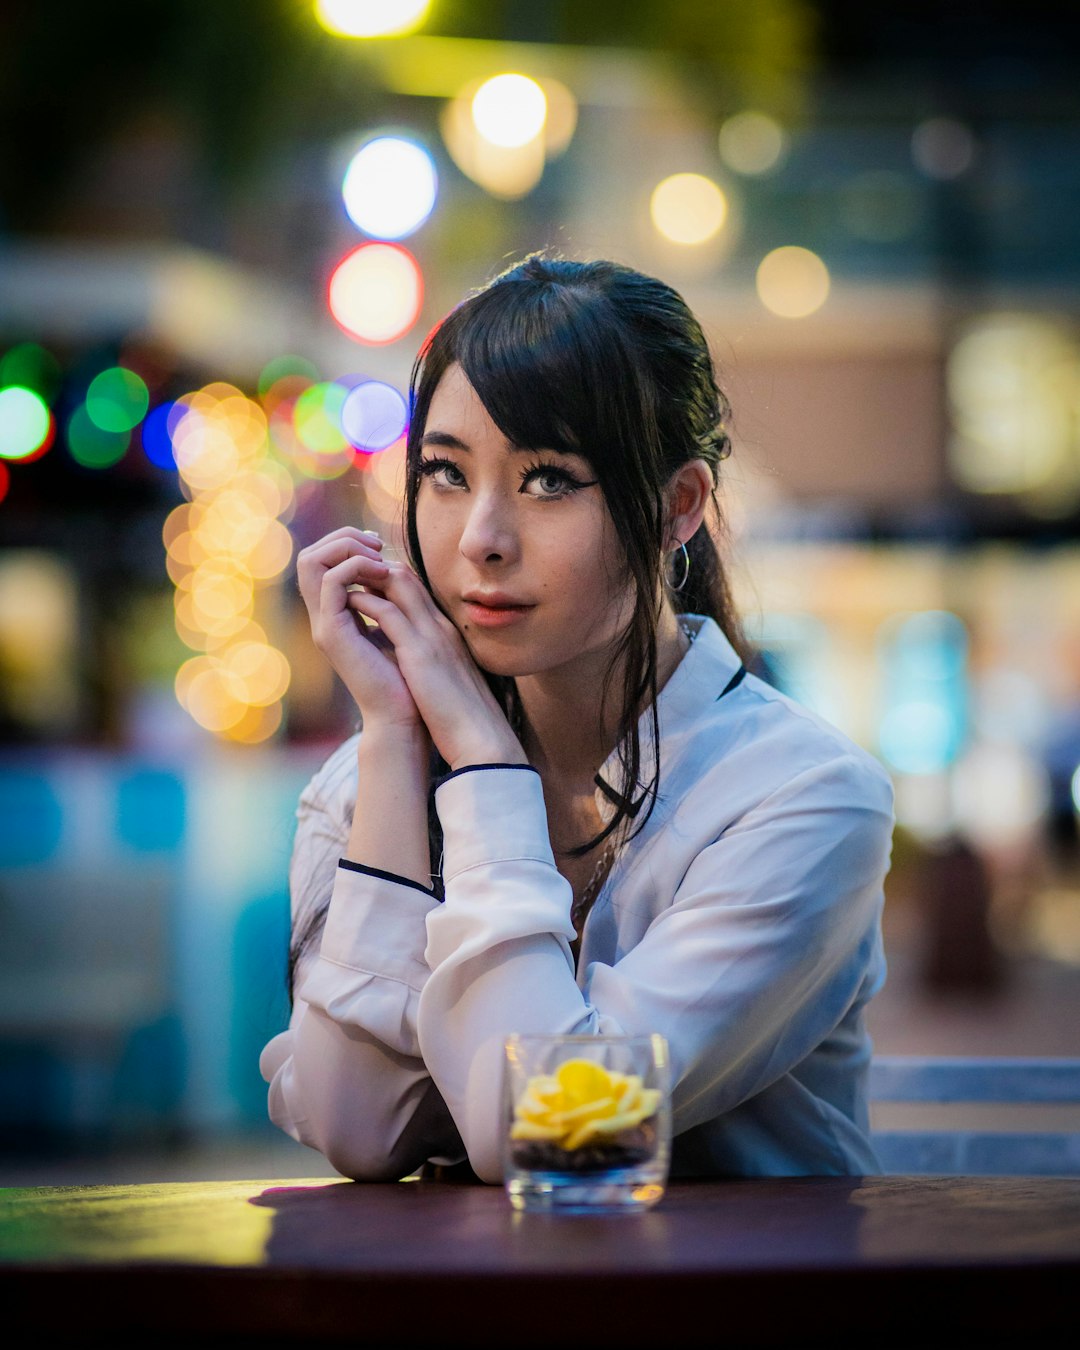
[(686, 569)]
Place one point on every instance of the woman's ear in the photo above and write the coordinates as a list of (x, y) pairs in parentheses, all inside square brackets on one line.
[(687, 498)]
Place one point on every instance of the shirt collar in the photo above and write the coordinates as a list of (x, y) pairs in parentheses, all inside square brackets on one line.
[(705, 669)]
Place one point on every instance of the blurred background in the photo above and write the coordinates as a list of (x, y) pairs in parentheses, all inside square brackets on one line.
[(225, 229)]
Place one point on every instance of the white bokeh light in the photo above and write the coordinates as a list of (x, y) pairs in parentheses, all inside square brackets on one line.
[(389, 187)]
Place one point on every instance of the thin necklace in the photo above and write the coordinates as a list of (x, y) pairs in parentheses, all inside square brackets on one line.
[(583, 904)]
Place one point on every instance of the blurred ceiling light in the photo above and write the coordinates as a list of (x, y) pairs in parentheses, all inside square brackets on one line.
[(371, 18), (373, 415), (752, 142), (942, 147), (688, 208), (1013, 383), (389, 187), (376, 292), (792, 282), (26, 424), (509, 110)]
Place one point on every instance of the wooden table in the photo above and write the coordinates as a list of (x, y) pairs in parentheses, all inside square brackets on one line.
[(895, 1260)]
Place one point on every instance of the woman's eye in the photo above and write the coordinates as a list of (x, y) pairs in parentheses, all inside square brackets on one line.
[(442, 472), (548, 483)]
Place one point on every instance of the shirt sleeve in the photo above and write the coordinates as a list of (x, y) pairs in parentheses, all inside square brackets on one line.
[(763, 948), (346, 1078)]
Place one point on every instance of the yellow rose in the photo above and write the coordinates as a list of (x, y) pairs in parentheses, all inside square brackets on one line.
[(583, 1103)]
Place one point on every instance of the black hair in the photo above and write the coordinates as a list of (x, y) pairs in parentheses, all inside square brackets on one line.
[(637, 397)]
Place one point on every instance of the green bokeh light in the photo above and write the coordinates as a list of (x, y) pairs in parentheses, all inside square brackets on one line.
[(282, 366), (90, 445), (317, 418), (24, 422), (117, 400), (32, 367)]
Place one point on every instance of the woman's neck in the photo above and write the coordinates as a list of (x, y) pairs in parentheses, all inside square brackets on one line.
[(569, 733)]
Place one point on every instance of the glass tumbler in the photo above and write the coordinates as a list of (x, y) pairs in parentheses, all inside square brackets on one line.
[(587, 1123)]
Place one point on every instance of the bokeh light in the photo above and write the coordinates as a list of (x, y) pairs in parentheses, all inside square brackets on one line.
[(317, 418), (507, 172), (688, 208), (91, 445), (792, 282), (1013, 382), (376, 292), (32, 367), (297, 368), (26, 424), (374, 415), (925, 701), (5, 480), (389, 187), (223, 548), (117, 399), (509, 110), (371, 18), (156, 437), (942, 147), (752, 142)]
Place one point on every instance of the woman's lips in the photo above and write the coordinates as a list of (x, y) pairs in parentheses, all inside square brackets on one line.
[(495, 616)]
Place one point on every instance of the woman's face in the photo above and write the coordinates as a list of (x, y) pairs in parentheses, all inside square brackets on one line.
[(519, 546)]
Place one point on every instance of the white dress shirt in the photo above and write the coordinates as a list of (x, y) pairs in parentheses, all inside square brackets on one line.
[(743, 923)]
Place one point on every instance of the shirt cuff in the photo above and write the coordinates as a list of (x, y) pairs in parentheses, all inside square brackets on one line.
[(375, 923), (496, 815)]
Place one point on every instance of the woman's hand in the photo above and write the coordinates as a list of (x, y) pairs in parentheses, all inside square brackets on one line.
[(362, 657), (449, 690)]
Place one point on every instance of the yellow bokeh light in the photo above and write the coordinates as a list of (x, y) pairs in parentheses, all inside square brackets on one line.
[(272, 554), (509, 110), (751, 142), (375, 293), (371, 18), (233, 524), (388, 469), (206, 456), (211, 700), (506, 173), (255, 725), (1014, 392), (261, 671), (688, 208), (792, 282)]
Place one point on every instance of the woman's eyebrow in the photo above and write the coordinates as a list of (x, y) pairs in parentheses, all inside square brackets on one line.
[(443, 438), (450, 441)]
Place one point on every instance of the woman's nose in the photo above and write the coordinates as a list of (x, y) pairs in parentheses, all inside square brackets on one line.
[(489, 534)]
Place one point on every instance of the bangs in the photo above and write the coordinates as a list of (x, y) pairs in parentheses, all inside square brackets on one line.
[(547, 363)]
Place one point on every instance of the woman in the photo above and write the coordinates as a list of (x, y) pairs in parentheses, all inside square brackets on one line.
[(567, 810)]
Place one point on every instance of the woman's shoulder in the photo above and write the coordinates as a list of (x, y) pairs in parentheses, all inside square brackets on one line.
[(748, 742)]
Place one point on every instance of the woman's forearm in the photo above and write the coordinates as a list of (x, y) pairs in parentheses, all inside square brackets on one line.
[(389, 829)]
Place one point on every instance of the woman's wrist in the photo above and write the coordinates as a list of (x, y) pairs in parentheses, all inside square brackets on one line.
[(499, 750)]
